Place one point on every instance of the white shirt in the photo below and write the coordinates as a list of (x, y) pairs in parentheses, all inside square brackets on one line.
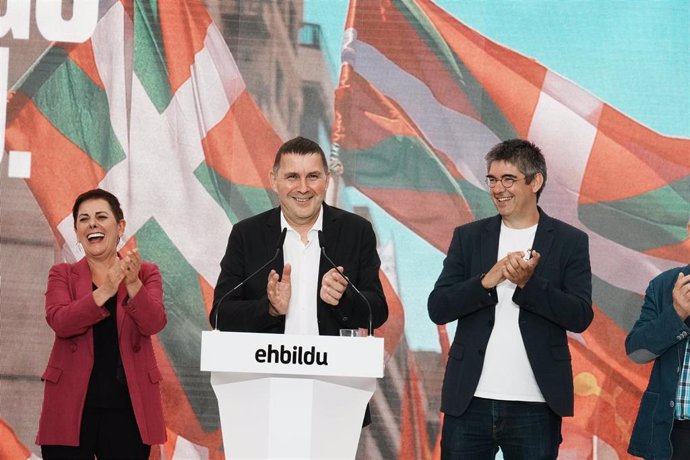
[(301, 316), (507, 374)]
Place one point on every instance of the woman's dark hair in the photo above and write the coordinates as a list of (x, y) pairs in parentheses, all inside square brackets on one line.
[(98, 194)]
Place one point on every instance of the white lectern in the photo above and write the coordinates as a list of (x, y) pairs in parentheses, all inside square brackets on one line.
[(291, 396)]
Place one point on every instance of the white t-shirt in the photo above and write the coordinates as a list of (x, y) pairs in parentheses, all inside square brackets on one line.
[(301, 316), (507, 374)]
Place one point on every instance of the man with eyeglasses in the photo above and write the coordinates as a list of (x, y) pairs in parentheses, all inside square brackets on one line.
[(515, 283)]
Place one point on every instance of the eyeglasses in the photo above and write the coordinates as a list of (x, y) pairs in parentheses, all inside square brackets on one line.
[(507, 181)]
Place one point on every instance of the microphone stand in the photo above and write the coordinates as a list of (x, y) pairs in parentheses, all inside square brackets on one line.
[(370, 329), (279, 248)]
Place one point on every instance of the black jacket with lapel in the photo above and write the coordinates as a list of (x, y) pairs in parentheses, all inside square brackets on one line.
[(556, 299), (349, 241)]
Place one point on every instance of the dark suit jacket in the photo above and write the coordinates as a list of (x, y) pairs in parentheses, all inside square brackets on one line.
[(71, 312), (349, 241), (659, 335), (557, 298)]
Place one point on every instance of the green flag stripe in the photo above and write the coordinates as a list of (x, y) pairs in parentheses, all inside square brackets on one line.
[(664, 221), (186, 314), (478, 199), (489, 112), (398, 162), (149, 54), (238, 201), (406, 163), (76, 106), (616, 302)]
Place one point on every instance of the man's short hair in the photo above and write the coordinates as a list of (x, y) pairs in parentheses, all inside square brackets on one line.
[(299, 146), (523, 154)]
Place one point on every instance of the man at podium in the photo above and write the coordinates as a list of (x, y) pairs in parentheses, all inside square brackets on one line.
[(274, 277)]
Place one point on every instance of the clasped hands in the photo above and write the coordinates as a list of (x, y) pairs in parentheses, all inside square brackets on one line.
[(513, 267), (279, 289), (125, 269)]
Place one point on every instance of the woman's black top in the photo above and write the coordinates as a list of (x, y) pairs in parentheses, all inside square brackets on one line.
[(108, 385)]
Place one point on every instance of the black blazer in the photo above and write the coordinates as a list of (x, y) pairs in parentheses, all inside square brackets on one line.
[(349, 241), (556, 299)]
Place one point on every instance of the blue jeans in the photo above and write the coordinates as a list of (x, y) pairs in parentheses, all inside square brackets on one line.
[(523, 431)]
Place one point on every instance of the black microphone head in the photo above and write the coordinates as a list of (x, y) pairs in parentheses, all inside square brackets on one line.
[(322, 243), (281, 240)]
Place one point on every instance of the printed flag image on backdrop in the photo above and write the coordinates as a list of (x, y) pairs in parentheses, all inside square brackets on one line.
[(422, 98), (153, 107)]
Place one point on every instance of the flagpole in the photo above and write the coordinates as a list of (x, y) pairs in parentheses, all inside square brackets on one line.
[(336, 169)]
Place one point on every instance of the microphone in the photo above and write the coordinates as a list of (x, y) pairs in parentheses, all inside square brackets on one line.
[(279, 248), (322, 244)]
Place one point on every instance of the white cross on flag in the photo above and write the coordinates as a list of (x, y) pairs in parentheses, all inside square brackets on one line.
[(153, 109)]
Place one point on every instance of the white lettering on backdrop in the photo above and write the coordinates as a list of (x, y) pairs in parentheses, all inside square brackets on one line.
[(52, 26)]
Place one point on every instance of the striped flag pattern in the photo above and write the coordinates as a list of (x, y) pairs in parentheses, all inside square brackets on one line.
[(422, 98), (153, 108), (11, 448)]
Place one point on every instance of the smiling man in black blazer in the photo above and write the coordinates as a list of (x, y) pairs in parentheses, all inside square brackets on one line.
[(299, 292), (515, 283)]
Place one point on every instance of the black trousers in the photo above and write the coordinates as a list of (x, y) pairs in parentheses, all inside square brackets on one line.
[(109, 434), (680, 439)]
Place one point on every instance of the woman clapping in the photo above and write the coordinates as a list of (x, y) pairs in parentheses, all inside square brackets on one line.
[(101, 384)]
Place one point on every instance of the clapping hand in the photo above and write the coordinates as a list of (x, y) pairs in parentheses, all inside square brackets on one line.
[(278, 291), (519, 270), (333, 286), (681, 296), (130, 265)]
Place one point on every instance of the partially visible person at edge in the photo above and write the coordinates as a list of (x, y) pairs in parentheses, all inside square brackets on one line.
[(102, 394), (662, 428), (300, 293), (515, 283)]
